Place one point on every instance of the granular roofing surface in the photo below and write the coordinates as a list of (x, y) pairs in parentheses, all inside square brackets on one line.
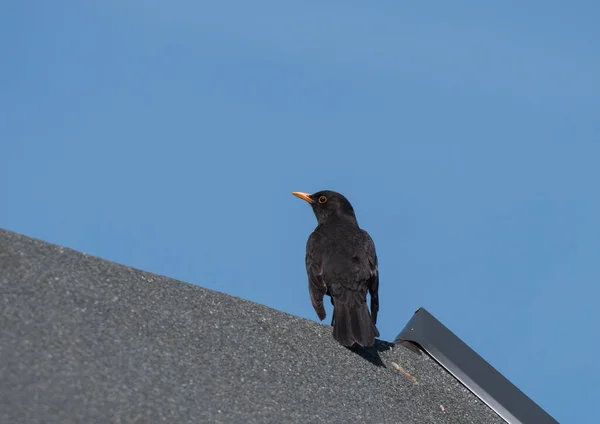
[(87, 340)]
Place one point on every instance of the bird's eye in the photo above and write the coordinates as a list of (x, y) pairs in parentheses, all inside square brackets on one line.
[(322, 199)]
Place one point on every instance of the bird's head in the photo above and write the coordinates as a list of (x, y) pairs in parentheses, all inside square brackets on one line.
[(327, 204)]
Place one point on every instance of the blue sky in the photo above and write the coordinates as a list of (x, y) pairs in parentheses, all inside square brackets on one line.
[(169, 135)]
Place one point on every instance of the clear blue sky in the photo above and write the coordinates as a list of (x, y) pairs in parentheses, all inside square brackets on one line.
[(169, 135)]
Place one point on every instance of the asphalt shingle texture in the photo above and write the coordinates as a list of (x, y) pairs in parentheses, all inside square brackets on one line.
[(84, 340)]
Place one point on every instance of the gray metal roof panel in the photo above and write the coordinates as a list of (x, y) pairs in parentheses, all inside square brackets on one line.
[(472, 370)]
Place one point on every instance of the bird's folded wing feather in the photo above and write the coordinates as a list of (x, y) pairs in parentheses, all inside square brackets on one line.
[(373, 284), (314, 269)]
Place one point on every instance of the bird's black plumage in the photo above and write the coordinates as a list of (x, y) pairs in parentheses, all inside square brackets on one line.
[(341, 262)]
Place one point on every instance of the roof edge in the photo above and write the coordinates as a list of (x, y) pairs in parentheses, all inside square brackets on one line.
[(474, 372)]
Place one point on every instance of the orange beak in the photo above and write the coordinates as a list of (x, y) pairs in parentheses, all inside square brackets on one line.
[(304, 196)]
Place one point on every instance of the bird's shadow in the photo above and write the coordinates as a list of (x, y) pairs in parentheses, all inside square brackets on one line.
[(371, 353)]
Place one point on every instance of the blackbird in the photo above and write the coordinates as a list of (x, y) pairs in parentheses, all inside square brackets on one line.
[(341, 262)]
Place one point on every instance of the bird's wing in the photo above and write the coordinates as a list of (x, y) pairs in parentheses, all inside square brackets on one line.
[(314, 269), (373, 283)]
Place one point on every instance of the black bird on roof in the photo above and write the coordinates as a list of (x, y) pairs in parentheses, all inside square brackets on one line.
[(341, 262)]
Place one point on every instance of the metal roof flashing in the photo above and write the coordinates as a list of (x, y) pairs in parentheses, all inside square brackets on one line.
[(477, 375)]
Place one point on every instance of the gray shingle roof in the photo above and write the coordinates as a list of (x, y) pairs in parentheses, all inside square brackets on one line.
[(87, 340)]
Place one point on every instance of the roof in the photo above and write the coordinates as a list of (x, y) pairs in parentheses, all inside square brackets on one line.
[(87, 340), (426, 332)]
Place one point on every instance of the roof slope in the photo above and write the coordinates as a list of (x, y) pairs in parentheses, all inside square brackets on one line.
[(87, 340)]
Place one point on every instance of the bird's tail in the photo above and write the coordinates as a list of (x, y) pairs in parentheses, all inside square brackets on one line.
[(352, 323)]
